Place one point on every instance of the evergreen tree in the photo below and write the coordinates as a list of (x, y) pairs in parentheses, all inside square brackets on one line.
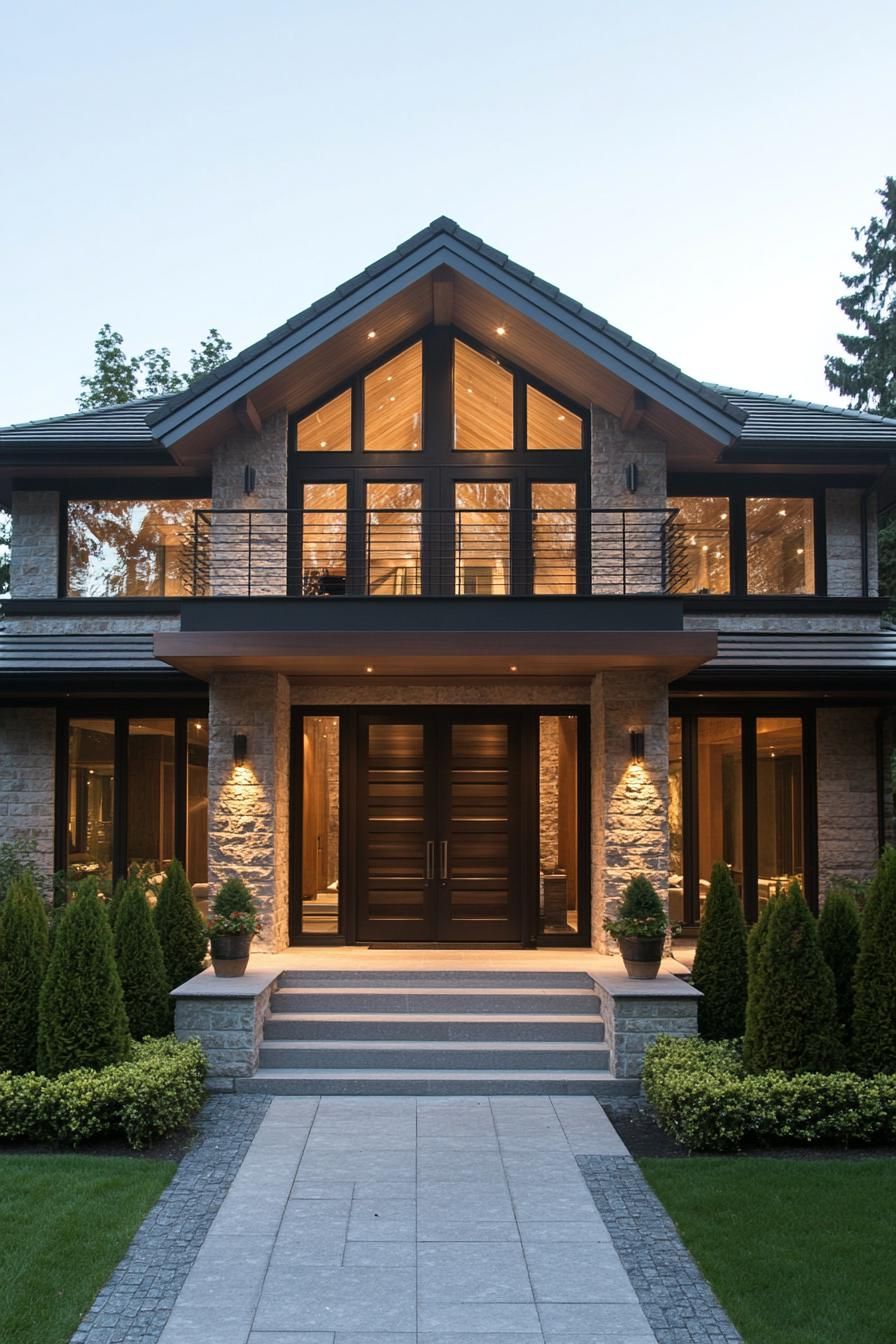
[(755, 943), (141, 966), (792, 1016), (720, 961), (838, 933), (23, 963), (114, 902), (874, 1015), (232, 896), (180, 928), (82, 1022), (868, 374)]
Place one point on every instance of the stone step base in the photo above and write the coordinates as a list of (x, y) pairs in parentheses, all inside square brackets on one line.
[(430, 999), (441, 1082), (575, 1027), (422, 979), (502, 1056)]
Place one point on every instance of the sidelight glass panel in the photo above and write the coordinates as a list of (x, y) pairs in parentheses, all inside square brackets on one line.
[(780, 546), (550, 425), (720, 800), (150, 793), (480, 826), (324, 535), (482, 538), (320, 823), (130, 547), (553, 538), (396, 822), (329, 428), (558, 823), (393, 404), (676, 823), (197, 807), (393, 533), (779, 774), (91, 798), (483, 403), (700, 557)]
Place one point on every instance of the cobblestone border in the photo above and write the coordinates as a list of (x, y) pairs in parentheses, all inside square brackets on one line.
[(134, 1305), (676, 1299)]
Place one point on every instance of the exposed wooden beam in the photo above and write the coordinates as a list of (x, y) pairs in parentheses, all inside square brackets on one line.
[(442, 297), (635, 407), (247, 415)]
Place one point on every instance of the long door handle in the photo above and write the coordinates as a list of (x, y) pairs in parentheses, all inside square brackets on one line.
[(443, 852), (430, 860)]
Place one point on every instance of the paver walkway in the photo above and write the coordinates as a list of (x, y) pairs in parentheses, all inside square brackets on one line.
[(414, 1220)]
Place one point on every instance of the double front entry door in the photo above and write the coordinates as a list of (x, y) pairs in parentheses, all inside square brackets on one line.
[(439, 808)]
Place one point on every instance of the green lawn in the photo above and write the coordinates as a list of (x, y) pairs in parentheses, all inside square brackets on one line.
[(65, 1222), (798, 1252)]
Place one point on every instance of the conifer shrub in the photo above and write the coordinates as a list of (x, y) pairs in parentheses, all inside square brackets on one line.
[(114, 900), (720, 961), (838, 933), (23, 963), (792, 1018), (141, 967), (641, 913), (755, 943), (874, 1014), (180, 928), (81, 1020)]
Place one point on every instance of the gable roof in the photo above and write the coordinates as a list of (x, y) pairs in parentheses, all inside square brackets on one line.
[(772, 419), (105, 426)]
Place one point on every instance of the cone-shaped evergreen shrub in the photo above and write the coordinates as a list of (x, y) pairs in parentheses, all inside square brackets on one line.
[(720, 961), (114, 901), (82, 1022), (141, 966), (793, 1022), (641, 913), (838, 933), (232, 895), (874, 1014), (180, 928), (755, 943), (23, 963)]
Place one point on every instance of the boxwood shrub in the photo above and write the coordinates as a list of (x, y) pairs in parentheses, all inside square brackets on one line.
[(706, 1100), (152, 1093)]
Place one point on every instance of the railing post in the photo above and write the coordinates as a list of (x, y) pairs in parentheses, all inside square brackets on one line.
[(624, 555), (249, 558), (195, 552)]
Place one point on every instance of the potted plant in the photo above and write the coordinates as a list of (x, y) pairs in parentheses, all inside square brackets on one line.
[(640, 929), (232, 925)]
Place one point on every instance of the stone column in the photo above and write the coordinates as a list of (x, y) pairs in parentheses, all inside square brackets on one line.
[(847, 775), (629, 800), (639, 534), (34, 544), (231, 547), (27, 780), (248, 833)]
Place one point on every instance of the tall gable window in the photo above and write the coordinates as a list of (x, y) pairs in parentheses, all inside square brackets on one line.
[(129, 547), (483, 402), (393, 404), (329, 428), (549, 425)]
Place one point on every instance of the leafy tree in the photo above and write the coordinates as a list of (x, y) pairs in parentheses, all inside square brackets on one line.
[(874, 1016), (213, 351), (792, 1016), (720, 961), (82, 1021), (141, 967), (838, 933), (868, 374), (23, 963), (180, 928), (116, 377)]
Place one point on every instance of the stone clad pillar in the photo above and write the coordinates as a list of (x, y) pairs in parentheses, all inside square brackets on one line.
[(244, 552), (27, 780), (34, 544), (626, 550), (629, 800), (248, 833)]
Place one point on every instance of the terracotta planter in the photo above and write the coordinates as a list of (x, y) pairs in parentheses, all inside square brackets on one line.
[(642, 956), (230, 953)]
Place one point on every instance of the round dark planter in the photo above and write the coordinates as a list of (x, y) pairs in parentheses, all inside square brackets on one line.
[(230, 953), (642, 956)]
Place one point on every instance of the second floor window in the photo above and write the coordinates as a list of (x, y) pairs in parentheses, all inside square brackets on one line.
[(748, 544), (129, 547)]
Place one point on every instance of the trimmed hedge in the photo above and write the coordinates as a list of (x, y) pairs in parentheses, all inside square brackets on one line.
[(706, 1100), (152, 1093)]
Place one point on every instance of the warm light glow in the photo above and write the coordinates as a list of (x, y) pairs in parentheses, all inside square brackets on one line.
[(368, 669), (513, 667), (501, 331), (371, 335)]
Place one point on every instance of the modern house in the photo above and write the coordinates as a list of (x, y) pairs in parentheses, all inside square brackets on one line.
[(441, 611)]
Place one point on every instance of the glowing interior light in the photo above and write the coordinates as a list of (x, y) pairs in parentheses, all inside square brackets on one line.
[(323, 443), (371, 335), (501, 331), (723, 516), (782, 513), (705, 549), (799, 550)]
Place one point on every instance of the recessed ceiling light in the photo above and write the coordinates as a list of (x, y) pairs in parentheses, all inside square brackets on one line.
[(323, 443), (513, 667), (561, 417), (501, 331), (371, 335), (368, 669)]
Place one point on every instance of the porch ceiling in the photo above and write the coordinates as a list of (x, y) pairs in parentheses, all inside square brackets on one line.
[(425, 653)]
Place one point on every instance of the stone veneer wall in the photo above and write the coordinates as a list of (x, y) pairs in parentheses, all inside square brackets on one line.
[(230, 1031), (848, 839), (843, 526), (27, 779), (34, 544), (612, 451), (248, 831), (633, 1021), (268, 453)]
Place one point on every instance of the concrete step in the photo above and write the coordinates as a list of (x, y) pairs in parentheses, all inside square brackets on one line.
[(422, 979), (433, 1027), (438, 1082), (433, 1055), (428, 999)]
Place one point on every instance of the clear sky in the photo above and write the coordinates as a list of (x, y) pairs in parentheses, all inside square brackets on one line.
[(691, 170)]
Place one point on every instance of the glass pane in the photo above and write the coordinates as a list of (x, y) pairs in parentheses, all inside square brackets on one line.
[(482, 538), (91, 798), (197, 807), (780, 546), (130, 548), (324, 539), (700, 554), (550, 425), (719, 800), (676, 824), (483, 403), (393, 404), (558, 823), (396, 816), (779, 773), (554, 538), (320, 824), (393, 538), (150, 793), (479, 827), (329, 428)]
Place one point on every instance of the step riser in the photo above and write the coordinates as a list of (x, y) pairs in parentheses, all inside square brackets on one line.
[(563, 1086), (420, 979), (283, 1056), (282, 1028), (357, 1001)]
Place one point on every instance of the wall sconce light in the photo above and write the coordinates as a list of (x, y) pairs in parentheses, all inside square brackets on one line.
[(248, 480), (240, 748), (636, 741), (631, 478)]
